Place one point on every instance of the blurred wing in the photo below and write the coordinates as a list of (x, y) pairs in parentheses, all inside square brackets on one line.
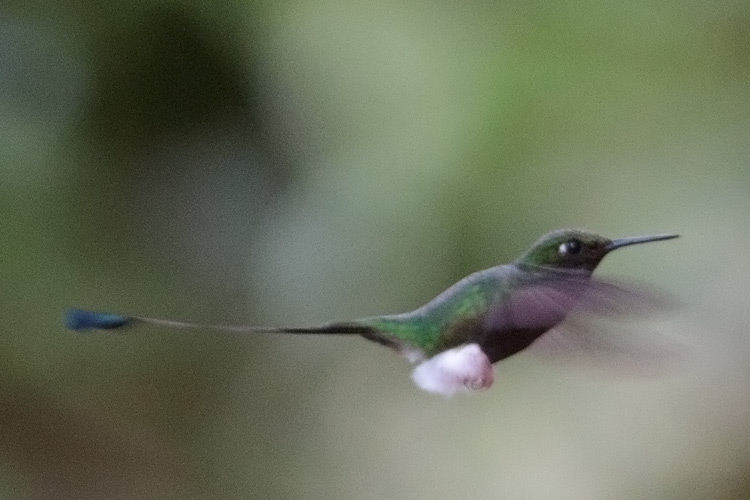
[(616, 298), (541, 306), (613, 349), (574, 311)]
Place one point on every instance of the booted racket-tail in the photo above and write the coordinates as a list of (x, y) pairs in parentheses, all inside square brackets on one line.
[(488, 316)]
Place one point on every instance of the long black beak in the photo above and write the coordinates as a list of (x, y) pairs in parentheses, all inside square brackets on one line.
[(623, 242)]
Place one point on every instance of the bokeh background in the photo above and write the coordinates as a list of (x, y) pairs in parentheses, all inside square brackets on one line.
[(298, 162)]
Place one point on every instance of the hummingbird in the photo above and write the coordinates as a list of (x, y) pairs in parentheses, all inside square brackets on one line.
[(490, 315)]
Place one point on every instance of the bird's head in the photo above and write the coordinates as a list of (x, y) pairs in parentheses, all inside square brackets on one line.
[(574, 249)]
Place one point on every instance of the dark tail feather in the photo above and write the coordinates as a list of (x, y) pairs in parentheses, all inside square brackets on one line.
[(82, 320), (79, 319)]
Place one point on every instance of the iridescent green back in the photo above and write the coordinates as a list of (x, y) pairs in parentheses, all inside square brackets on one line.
[(450, 319)]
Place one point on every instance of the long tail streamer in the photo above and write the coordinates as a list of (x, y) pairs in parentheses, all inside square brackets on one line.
[(84, 320)]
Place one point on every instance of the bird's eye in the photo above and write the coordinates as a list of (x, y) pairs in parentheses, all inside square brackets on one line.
[(570, 247)]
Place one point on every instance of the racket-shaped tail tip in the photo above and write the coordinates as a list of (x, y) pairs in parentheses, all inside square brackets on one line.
[(80, 320)]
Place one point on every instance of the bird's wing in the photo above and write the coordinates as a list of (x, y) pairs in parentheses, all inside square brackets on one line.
[(618, 349), (577, 316), (542, 304)]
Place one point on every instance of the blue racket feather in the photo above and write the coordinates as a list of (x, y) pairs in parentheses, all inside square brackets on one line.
[(81, 319)]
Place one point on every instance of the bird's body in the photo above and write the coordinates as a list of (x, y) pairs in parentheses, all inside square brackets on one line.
[(470, 311), (483, 318)]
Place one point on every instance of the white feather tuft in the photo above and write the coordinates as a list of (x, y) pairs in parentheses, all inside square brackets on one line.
[(462, 369)]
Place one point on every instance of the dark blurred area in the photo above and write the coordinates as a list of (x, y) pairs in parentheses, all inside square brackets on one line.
[(293, 163)]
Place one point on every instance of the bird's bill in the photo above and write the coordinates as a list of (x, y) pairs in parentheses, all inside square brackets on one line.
[(623, 242)]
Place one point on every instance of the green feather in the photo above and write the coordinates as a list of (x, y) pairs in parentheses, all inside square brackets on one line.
[(446, 321)]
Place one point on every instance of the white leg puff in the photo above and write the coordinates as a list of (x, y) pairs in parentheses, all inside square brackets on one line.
[(461, 369)]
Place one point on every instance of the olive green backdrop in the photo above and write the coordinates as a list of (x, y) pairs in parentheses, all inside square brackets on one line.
[(299, 162)]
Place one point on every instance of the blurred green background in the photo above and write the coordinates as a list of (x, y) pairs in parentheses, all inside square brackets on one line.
[(299, 162)]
